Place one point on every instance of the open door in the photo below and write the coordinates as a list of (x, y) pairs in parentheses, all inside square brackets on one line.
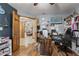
[(15, 32)]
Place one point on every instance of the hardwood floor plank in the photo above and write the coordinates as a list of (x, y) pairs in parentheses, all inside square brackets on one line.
[(31, 51)]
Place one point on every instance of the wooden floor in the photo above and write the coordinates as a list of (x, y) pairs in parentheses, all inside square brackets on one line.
[(31, 51), (58, 52), (26, 51)]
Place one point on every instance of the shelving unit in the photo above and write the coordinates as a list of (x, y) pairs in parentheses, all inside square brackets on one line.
[(5, 46), (75, 40)]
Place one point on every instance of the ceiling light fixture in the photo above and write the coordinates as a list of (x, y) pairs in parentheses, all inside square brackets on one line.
[(51, 3), (35, 4)]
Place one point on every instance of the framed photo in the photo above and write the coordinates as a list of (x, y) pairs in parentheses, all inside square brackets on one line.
[(29, 28)]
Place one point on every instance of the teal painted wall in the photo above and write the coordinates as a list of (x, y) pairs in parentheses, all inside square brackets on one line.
[(7, 31)]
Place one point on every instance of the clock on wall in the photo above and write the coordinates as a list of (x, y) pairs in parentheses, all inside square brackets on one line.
[(2, 11)]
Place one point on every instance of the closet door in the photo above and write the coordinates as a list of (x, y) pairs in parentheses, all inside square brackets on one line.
[(15, 32)]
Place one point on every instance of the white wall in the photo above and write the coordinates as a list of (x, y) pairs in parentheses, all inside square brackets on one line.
[(47, 18), (60, 28)]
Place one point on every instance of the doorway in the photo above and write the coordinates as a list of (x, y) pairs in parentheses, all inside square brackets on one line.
[(24, 33), (28, 36), (28, 31)]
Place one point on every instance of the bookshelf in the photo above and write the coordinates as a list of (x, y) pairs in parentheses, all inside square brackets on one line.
[(5, 46)]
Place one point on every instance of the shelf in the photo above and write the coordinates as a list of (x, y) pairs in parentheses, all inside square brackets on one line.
[(7, 53), (3, 42), (3, 48)]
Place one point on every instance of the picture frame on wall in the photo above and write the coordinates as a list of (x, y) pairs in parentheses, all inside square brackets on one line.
[(29, 28)]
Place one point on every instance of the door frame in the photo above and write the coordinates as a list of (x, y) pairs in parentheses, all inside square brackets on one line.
[(15, 16)]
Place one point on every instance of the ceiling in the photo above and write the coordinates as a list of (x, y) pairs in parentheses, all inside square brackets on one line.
[(44, 8)]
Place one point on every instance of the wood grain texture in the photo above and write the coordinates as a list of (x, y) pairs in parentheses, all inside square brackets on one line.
[(31, 51), (15, 31), (26, 51), (56, 51)]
